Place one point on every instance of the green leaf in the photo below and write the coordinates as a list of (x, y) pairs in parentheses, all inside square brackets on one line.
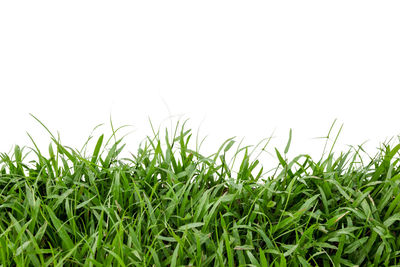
[(229, 145), (59, 227), (190, 226), (97, 149), (288, 143)]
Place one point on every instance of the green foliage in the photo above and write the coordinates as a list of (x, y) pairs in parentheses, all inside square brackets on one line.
[(168, 205)]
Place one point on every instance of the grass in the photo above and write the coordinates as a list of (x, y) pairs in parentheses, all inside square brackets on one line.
[(168, 205)]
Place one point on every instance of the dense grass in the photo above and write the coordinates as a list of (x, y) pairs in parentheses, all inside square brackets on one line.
[(170, 205)]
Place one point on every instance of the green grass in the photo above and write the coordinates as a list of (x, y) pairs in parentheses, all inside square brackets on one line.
[(169, 205)]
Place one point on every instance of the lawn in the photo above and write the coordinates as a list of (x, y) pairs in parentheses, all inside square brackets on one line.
[(169, 205)]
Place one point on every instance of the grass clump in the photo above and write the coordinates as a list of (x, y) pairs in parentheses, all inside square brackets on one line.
[(168, 205)]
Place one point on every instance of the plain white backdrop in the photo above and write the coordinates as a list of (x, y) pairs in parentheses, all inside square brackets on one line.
[(234, 68)]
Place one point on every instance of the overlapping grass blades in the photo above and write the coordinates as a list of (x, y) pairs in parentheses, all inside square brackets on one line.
[(169, 205)]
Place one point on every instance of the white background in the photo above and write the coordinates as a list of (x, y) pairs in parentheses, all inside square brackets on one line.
[(234, 68)]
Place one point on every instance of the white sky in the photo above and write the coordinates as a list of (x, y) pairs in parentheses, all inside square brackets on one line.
[(237, 68)]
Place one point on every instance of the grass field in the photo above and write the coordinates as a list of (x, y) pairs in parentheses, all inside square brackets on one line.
[(169, 205)]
